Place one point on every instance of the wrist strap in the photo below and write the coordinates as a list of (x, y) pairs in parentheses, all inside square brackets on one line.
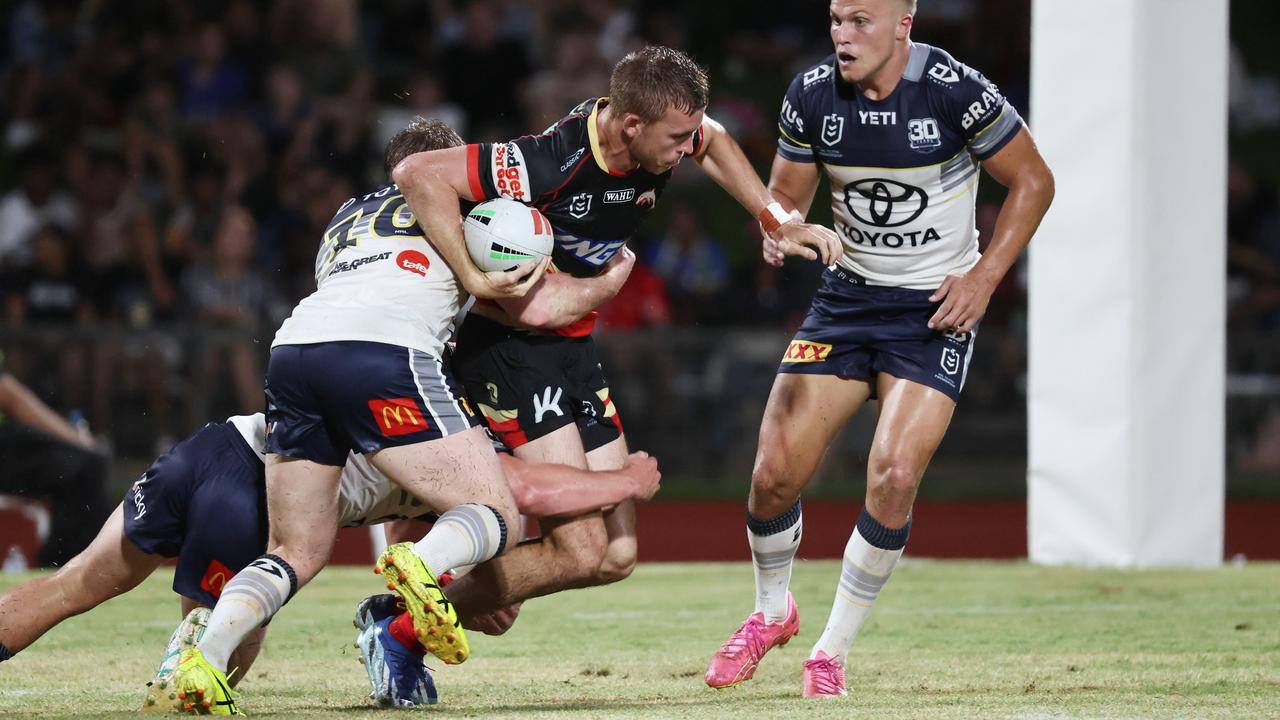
[(772, 217)]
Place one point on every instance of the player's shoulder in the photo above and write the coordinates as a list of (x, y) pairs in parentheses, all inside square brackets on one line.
[(940, 72), (815, 79)]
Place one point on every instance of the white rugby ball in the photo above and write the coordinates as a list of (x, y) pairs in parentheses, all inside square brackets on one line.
[(503, 233)]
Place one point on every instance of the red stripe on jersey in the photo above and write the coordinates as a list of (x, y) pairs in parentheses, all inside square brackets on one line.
[(473, 172)]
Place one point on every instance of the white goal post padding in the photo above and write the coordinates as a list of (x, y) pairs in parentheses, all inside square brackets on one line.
[(1126, 331)]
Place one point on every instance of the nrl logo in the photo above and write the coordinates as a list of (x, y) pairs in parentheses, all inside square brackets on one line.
[(832, 128), (580, 205)]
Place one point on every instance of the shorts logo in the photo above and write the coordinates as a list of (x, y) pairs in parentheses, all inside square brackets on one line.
[(580, 205), (619, 196), (397, 416), (951, 360), (803, 351), (413, 261), (215, 578), (547, 403), (832, 128)]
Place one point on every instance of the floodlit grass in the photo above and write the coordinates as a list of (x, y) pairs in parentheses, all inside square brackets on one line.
[(947, 640)]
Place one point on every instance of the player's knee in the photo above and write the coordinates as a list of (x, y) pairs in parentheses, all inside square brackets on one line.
[(582, 555), (774, 486), (619, 561), (892, 486)]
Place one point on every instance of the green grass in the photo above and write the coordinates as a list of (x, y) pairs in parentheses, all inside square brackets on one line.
[(947, 640)]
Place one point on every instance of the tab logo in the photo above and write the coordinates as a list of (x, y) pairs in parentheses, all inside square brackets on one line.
[(832, 128), (397, 416), (619, 196), (803, 351)]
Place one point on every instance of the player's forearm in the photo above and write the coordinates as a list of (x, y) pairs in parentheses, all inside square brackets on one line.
[(724, 162), (547, 490), (1028, 200), (562, 299), (434, 203)]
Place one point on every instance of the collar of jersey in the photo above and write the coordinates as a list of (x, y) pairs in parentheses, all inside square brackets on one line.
[(595, 139)]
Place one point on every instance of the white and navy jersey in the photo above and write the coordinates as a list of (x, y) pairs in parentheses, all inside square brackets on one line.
[(903, 170), (377, 280), (365, 495)]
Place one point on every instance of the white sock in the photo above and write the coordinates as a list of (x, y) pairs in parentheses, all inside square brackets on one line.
[(773, 547), (466, 535), (869, 557), (248, 601)]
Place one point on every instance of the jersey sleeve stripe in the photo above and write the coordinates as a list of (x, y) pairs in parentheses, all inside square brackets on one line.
[(994, 136), (793, 153), (790, 139), (473, 173)]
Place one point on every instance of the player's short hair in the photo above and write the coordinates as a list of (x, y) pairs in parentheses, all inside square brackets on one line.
[(421, 135), (911, 6), (647, 82)]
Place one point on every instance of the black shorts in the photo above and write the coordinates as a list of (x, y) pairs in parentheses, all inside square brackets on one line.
[(527, 385), (203, 502), (856, 330)]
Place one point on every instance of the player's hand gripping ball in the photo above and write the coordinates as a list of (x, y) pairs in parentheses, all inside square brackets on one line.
[(503, 233)]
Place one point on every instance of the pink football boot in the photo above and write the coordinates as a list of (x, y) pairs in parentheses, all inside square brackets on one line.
[(823, 677), (736, 660)]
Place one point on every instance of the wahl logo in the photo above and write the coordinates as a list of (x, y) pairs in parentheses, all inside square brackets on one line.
[(619, 196), (803, 351), (397, 416)]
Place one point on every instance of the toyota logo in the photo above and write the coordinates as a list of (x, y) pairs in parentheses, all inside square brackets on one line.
[(884, 197)]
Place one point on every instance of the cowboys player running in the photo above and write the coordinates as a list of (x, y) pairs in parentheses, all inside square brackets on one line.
[(899, 129)]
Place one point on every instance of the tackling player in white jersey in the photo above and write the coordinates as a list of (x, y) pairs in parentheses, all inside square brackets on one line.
[(899, 129)]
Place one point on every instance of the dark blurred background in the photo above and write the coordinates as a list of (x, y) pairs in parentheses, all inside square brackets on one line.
[(166, 171)]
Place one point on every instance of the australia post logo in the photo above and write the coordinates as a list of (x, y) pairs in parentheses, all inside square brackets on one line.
[(397, 416), (510, 176), (804, 351), (413, 261)]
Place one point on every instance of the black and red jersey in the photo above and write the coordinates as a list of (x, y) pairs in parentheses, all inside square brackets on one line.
[(593, 210)]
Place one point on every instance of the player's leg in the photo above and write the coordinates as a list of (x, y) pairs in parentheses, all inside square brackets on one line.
[(620, 521), (243, 656), (110, 566), (802, 416), (913, 420)]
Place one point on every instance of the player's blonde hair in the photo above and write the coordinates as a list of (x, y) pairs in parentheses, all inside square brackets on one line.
[(647, 82)]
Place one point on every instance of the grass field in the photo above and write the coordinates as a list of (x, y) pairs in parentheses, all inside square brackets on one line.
[(947, 640)]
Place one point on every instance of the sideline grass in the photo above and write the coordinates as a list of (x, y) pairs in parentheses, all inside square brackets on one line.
[(947, 640)]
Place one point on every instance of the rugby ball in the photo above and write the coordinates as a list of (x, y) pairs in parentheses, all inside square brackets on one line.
[(503, 233)]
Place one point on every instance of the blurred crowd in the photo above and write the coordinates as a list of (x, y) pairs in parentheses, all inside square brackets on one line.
[(167, 169)]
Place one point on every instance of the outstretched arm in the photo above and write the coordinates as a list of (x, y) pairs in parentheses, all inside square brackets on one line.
[(23, 405), (723, 160), (562, 299), (547, 490)]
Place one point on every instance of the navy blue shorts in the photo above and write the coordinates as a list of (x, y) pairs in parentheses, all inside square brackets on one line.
[(326, 399), (203, 502), (857, 331)]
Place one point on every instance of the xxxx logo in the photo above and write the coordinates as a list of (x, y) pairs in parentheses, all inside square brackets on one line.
[(803, 351)]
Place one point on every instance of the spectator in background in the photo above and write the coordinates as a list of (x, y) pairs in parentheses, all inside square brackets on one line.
[(212, 84), (34, 203), (693, 265), (52, 292), (483, 72), (229, 295), (45, 458), (422, 96), (641, 303), (577, 71)]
